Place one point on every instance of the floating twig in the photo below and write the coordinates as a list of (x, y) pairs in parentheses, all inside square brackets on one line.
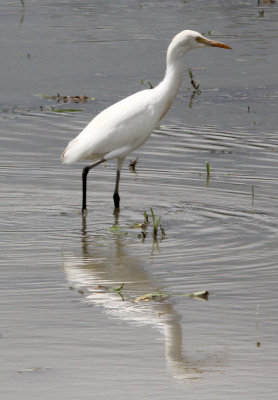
[(149, 83), (64, 110), (132, 164), (257, 327), (196, 90), (157, 296), (67, 99), (160, 296), (193, 83)]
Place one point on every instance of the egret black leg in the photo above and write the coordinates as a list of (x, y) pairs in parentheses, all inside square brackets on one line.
[(84, 185), (116, 195), (84, 189)]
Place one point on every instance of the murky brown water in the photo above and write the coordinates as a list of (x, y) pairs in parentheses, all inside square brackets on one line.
[(66, 331)]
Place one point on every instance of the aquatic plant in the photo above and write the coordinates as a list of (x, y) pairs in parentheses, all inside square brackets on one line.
[(155, 223), (208, 172), (196, 90), (193, 82), (132, 164), (160, 296), (208, 169)]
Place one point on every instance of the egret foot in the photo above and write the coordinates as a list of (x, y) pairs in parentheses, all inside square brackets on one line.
[(116, 198)]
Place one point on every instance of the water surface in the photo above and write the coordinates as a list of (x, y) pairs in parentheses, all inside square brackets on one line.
[(66, 331)]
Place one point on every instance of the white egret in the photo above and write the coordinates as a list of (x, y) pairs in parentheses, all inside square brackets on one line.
[(127, 124)]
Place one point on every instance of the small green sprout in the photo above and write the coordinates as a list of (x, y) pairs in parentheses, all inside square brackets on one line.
[(146, 218), (64, 110), (208, 169), (119, 291), (156, 223)]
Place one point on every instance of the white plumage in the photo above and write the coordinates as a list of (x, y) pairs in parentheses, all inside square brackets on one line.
[(127, 124), (120, 126)]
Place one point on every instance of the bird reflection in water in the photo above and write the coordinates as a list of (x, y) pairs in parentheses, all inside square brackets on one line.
[(104, 265)]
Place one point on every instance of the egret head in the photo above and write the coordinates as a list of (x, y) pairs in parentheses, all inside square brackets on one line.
[(189, 40)]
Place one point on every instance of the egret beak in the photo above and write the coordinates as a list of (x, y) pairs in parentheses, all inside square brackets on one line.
[(212, 43)]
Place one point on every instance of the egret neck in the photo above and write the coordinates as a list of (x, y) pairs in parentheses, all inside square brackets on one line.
[(169, 86)]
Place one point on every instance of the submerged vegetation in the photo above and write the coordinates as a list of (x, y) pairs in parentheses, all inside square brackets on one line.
[(160, 296), (66, 99), (149, 221), (61, 99), (156, 225), (64, 110), (196, 90), (156, 222), (193, 83), (133, 164), (208, 172), (148, 82), (147, 297)]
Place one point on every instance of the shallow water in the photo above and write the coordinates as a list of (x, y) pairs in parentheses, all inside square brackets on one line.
[(66, 331)]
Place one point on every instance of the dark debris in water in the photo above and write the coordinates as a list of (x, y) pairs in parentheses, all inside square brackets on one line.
[(267, 2), (132, 164), (156, 296), (202, 294), (196, 88), (148, 82), (160, 296), (67, 99), (151, 296), (64, 110)]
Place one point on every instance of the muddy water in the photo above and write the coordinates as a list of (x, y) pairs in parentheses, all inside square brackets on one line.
[(69, 329)]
